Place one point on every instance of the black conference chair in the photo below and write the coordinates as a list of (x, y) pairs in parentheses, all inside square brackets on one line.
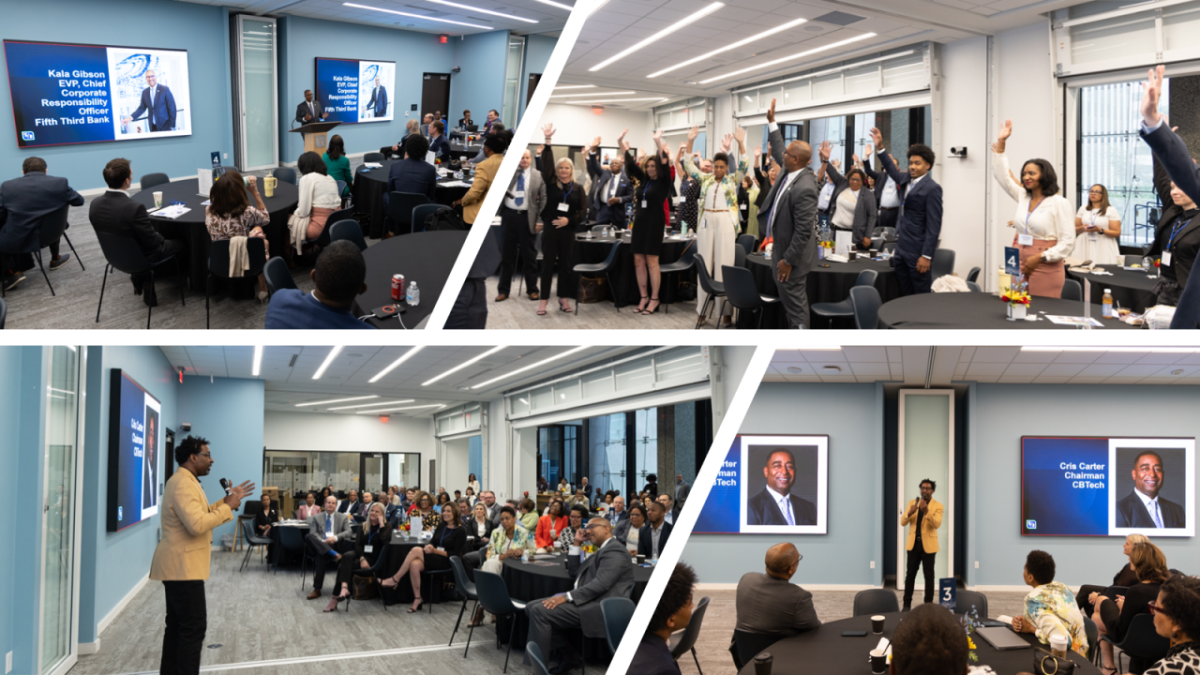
[(742, 293), (348, 230), (598, 268), (943, 263), (125, 255), (3, 313), (965, 600), (252, 541), (436, 579), (739, 255), (973, 275), (686, 261), (975, 288), (875, 601), (749, 645), (154, 179), (423, 211), (493, 595), (1072, 290), (746, 241), (218, 265), (309, 555), (52, 226), (278, 275), (285, 174), (534, 652), (617, 613), (1093, 637), (1142, 643), (465, 588), (373, 157), (715, 289), (291, 542), (866, 303), (843, 309), (685, 641), (400, 210)]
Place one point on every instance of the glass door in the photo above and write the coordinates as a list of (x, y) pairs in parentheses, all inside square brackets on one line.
[(60, 557), (255, 133), (372, 473)]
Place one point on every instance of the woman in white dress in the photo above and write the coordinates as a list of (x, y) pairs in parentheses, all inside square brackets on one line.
[(1098, 229), (719, 218), (1044, 220)]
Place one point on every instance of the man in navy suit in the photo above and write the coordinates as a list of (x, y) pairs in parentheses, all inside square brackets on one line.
[(159, 101), (887, 195), (1144, 507), (1172, 153), (775, 504), (920, 222), (379, 101), (438, 142), (613, 191), (24, 202)]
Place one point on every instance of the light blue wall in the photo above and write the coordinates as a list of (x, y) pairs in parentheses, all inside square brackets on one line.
[(479, 87), (852, 416), (538, 49), (1001, 414), (303, 40), (10, 430), (229, 413), (113, 563), (475, 453), (200, 29)]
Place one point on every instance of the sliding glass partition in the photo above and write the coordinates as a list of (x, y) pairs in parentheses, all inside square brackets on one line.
[(296, 473)]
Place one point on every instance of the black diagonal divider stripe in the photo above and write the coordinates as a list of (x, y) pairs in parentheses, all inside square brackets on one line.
[(533, 113), (699, 491)]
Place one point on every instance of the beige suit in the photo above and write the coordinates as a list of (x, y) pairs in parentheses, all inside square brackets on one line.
[(185, 551), (930, 523), (485, 172)]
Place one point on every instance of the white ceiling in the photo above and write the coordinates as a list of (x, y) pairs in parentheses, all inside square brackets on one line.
[(941, 366), (289, 383), (622, 23), (549, 18)]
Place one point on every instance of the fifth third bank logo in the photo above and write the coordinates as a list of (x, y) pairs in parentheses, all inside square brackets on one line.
[(1031, 524), (27, 135)]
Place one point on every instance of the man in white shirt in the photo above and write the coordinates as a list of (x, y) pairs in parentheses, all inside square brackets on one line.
[(520, 216), (920, 223), (1144, 507), (310, 110), (653, 537), (617, 513), (330, 533), (665, 500)]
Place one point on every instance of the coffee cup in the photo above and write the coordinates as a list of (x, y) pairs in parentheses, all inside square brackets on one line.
[(269, 184), (1058, 645), (158, 200), (641, 559), (878, 661), (877, 624), (763, 663)]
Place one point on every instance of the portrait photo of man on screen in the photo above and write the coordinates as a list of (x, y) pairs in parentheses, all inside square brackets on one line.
[(778, 501), (1146, 505), (150, 463)]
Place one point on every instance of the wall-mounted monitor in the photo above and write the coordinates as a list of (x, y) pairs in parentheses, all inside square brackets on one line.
[(353, 91), (135, 439)]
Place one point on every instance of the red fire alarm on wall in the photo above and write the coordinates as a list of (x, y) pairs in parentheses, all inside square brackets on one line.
[(383, 418), (443, 39)]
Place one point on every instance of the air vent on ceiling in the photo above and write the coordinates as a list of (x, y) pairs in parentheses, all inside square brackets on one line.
[(292, 362), (839, 18), (795, 370)]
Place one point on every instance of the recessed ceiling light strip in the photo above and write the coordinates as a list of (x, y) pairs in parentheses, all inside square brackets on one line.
[(739, 43), (594, 93), (374, 405), (618, 100), (575, 86), (413, 407), (793, 57), (258, 350), (462, 365), (659, 35), (395, 364), (328, 360), (529, 367), (482, 11), (415, 16), (337, 400)]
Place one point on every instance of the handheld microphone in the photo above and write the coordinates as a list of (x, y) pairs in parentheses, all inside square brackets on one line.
[(225, 486)]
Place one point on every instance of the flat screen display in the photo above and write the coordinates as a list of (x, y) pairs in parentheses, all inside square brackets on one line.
[(135, 437), (353, 91)]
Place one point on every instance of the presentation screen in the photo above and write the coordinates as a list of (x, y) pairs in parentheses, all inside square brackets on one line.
[(356, 91), (135, 435), (770, 484), (72, 93), (1101, 486)]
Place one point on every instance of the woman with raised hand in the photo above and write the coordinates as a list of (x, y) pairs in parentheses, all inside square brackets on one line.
[(689, 192), (718, 214), (1098, 229), (1045, 221), (852, 206), (564, 211), (652, 187)]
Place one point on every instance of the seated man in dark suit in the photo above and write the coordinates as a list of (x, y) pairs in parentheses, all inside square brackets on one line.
[(411, 127), (412, 174), (115, 213), (770, 604), (340, 275), (673, 613), (652, 539), (24, 202), (438, 143), (466, 120), (775, 505), (607, 573), (1143, 507)]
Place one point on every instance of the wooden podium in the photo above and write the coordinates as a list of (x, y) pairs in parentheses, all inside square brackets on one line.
[(314, 135)]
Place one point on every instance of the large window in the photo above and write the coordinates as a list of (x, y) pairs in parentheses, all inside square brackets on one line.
[(297, 473), (850, 134), (1112, 154)]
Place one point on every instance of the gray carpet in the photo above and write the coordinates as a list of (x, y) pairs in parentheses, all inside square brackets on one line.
[(30, 304)]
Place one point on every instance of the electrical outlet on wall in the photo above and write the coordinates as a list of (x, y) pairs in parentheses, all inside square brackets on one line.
[(976, 564), (225, 156), (872, 564)]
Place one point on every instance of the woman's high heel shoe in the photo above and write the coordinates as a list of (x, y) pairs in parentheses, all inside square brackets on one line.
[(417, 602), (648, 311), (642, 305)]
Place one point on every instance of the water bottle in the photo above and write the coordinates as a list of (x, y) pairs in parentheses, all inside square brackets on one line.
[(525, 555), (1107, 304), (683, 227), (413, 294)]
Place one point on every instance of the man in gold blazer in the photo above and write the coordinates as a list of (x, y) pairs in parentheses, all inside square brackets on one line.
[(924, 517), (182, 558)]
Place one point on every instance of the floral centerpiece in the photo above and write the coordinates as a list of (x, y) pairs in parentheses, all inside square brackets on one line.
[(1016, 294), (970, 622)]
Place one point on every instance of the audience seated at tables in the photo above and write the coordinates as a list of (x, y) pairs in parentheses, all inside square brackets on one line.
[(230, 215), (507, 541), (489, 500), (426, 121), (492, 117), (673, 613), (617, 514), (770, 604), (494, 147), (423, 509), (479, 533), (325, 493), (410, 128), (340, 275), (438, 144), (449, 539), (607, 573), (495, 129), (528, 517), (367, 500), (929, 641), (368, 554), (351, 505), (410, 497), (331, 534), (580, 498), (337, 164), (543, 485), (576, 517), (550, 526), (470, 497), (318, 199), (668, 504), (1112, 616), (1050, 607), (1125, 577), (264, 520), (308, 508), (24, 202), (629, 530), (1177, 618), (443, 499), (115, 213), (465, 121), (412, 174), (603, 503), (653, 537), (564, 488)]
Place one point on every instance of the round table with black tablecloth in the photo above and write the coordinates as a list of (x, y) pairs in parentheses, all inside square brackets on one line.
[(190, 226), (978, 311), (531, 581), (423, 257), (370, 185), (824, 650), (403, 593), (624, 275), (824, 284), (1134, 290)]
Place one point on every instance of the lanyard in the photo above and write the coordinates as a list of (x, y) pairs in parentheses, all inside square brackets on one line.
[(1029, 213), (445, 531), (646, 189), (568, 193), (372, 536), (1179, 225), (1094, 214)]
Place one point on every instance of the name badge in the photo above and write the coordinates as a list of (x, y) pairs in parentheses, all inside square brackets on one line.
[(679, 200), (743, 207), (519, 194), (1025, 239), (703, 223), (643, 203), (1166, 259), (368, 549), (562, 207)]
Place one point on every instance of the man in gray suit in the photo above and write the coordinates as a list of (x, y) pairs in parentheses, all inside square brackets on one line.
[(519, 215), (682, 490), (329, 533), (608, 573), (770, 604), (792, 222)]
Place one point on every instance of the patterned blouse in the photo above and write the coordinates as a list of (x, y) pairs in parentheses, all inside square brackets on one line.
[(500, 542), (1180, 660), (567, 537), (729, 184), (689, 206), (226, 227), (1052, 609)]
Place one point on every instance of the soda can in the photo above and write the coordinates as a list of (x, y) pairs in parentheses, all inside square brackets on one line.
[(397, 287)]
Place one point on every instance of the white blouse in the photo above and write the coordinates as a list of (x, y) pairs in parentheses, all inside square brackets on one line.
[(319, 190), (1053, 218), (1097, 246), (843, 215)]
